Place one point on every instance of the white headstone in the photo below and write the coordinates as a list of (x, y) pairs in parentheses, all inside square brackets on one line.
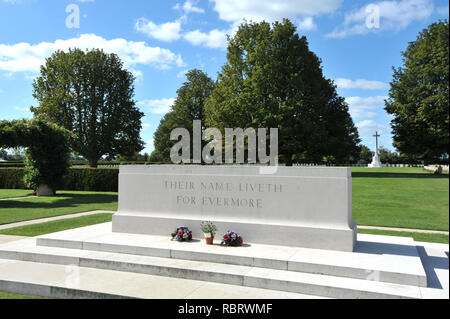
[(293, 206)]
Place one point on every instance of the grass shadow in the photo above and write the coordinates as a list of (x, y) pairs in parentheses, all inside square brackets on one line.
[(397, 175), (63, 200)]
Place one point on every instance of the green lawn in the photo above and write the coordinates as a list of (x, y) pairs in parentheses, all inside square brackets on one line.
[(64, 203), (5, 295), (400, 197), (432, 238), (57, 225), (12, 193)]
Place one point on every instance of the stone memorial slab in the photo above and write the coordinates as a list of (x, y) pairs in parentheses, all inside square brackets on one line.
[(293, 206)]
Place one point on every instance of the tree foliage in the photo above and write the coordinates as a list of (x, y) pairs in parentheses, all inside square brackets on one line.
[(188, 106), (90, 94), (366, 155), (272, 80), (418, 97), (47, 152)]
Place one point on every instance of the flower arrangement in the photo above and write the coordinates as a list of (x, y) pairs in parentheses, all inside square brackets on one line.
[(182, 233), (232, 239), (209, 229)]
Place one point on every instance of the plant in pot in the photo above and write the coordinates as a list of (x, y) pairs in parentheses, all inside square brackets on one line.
[(209, 230)]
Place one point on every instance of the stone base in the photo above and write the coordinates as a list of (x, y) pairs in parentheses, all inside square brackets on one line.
[(283, 235), (380, 267), (376, 163), (44, 190)]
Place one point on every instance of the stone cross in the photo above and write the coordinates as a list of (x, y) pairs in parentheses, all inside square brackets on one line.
[(376, 142)]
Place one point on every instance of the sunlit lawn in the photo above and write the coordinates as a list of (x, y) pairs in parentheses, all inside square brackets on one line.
[(57, 225), (13, 193), (63, 204), (400, 197)]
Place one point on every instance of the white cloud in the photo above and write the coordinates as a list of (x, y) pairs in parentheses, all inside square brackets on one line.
[(234, 11), (269, 10), (361, 84), (21, 109), (215, 39), (167, 32), (394, 15), (365, 107), (369, 127), (25, 57), (161, 106), (182, 73), (306, 24), (189, 7)]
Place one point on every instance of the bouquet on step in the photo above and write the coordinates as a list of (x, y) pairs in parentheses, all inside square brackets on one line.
[(231, 238), (182, 233)]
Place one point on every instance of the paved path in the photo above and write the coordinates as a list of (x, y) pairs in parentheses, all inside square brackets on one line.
[(405, 230), (7, 239), (49, 219), (17, 198)]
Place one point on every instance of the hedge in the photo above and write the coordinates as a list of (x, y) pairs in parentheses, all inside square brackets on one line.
[(77, 179), (12, 178), (91, 179)]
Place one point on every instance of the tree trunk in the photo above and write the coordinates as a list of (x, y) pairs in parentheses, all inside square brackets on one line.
[(288, 159), (93, 162), (44, 190)]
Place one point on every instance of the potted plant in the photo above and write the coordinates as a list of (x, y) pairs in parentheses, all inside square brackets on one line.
[(209, 230)]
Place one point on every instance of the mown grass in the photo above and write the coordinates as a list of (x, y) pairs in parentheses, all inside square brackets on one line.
[(14, 193), (57, 225), (6, 295), (424, 237), (400, 197), (64, 203)]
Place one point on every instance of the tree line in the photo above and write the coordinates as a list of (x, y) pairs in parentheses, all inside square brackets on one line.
[(271, 79)]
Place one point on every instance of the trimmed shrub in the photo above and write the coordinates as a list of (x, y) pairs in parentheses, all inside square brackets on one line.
[(47, 149), (76, 179), (12, 178), (91, 179)]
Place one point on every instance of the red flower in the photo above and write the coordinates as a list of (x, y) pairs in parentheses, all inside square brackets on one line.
[(180, 232), (226, 238), (240, 240)]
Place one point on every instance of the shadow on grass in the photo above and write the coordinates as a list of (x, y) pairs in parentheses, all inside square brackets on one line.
[(63, 200), (397, 175)]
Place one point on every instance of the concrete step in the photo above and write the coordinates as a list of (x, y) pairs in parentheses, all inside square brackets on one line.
[(69, 282), (237, 275), (377, 258)]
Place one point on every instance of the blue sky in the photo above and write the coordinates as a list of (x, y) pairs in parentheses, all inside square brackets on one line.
[(160, 40)]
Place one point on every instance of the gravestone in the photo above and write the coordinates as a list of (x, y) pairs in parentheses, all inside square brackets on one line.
[(291, 206)]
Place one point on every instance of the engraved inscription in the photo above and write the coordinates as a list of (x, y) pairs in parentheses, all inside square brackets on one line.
[(214, 194)]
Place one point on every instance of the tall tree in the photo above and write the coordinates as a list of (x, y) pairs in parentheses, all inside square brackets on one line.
[(418, 97), (90, 94), (162, 141), (366, 155), (271, 79), (188, 106)]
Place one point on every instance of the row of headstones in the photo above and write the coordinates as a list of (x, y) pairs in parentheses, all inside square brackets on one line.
[(436, 169), (365, 165), (312, 164)]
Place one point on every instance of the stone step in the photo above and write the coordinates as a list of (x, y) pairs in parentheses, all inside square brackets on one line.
[(68, 282), (378, 258), (247, 276)]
